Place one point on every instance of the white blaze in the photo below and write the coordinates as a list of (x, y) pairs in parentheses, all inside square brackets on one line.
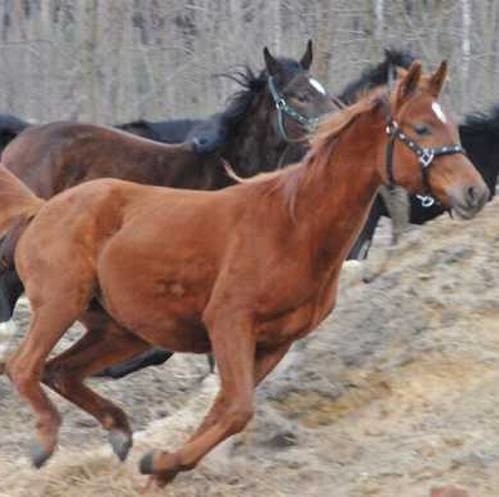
[(318, 86), (437, 109)]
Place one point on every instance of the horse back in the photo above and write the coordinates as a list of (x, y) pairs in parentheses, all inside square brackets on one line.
[(57, 156)]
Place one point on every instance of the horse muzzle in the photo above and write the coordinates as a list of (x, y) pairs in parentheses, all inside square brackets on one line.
[(468, 201)]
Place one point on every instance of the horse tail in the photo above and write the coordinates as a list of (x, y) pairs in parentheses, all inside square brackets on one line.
[(17, 202)]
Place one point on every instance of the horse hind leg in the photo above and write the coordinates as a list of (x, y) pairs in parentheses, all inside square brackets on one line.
[(152, 357), (50, 320), (105, 343)]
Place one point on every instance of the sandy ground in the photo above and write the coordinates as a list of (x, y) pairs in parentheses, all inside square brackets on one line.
[(397, 392)]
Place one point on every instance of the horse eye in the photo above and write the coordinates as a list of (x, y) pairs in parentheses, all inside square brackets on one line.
[(422, 129), (302, 97)]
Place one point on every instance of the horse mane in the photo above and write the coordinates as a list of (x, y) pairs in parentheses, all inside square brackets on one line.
[(334, 124), (482, 123), (252, 84), (377, 75), (323, 144)]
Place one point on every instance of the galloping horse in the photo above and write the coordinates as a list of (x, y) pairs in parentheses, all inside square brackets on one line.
[(56, 156), (214, 132), (242, 272)]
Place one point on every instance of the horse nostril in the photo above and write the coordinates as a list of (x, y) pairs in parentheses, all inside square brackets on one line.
[(473, 196)]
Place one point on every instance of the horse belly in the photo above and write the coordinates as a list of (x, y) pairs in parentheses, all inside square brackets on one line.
[(162, 319), (176, 336), (144, 292)]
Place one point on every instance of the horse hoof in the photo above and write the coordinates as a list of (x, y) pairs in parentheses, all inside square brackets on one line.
[(147, 464), (39, 455), (121, 442)]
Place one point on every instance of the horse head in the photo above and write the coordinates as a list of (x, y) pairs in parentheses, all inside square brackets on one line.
[(424, 154), (299, 99)]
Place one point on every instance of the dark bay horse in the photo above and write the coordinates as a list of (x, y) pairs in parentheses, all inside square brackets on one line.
[(166, 266), (56, 156)]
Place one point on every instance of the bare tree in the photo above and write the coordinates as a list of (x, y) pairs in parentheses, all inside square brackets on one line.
[(122, 59)]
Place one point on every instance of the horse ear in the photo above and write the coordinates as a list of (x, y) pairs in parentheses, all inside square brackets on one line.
[(409, 82), (306, 60), (400, 72), (437, 81), (271, 63)]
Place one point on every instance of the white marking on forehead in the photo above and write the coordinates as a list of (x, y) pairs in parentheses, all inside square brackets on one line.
[(437, 109), (318, 86)]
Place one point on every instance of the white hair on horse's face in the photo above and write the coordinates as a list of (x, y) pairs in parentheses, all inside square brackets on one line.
[(317, 85), (437, 109)]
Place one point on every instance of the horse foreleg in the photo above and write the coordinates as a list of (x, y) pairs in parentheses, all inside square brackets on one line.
[(265, 361), (94, 351), (234, 348)]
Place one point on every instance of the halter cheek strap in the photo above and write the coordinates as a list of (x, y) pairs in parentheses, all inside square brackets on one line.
[(308, 123), (425, 156)]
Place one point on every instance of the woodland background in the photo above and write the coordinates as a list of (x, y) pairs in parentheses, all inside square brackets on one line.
[(111, 61)]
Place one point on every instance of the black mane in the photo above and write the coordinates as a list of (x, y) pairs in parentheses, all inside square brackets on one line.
[(252, 85), (377, 75), (216, 131)]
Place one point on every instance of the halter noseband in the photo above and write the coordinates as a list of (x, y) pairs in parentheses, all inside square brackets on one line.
[(309, 123), (425, 157)]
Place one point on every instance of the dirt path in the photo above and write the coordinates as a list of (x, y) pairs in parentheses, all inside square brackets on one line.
[(397, 392)]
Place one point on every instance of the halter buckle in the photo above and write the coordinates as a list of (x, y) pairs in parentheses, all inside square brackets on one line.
[(391, 127), (426, 200), (426, 158), (280, 103)]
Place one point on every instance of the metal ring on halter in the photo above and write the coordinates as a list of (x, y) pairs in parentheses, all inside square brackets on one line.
[(426, 200), (280, 104)]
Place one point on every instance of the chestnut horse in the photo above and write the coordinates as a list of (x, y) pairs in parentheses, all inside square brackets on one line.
[(241, 272), (216, 132), (53, 157)]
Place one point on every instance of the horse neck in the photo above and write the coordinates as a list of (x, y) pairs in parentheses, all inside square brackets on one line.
[(255, 145), (333, 196)]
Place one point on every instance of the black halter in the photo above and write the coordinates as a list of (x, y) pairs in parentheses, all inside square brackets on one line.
[(308, 123), (425, 157)]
